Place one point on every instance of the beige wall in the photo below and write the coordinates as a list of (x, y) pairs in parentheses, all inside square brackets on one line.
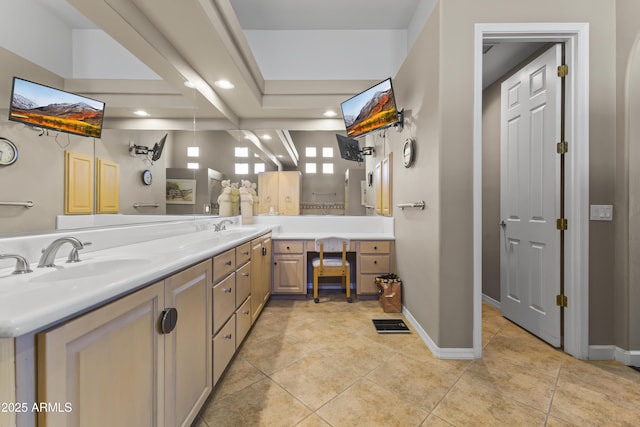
[(450, 284), (627, 213), (418, 233), (491, 234), (319, 187)]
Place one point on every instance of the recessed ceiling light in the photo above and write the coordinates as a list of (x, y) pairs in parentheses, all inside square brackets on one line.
[(329, 113), (266, 136), (141, 113), (224, 84)]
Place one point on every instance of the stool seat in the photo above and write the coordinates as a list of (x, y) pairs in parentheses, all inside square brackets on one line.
[(329, 262)]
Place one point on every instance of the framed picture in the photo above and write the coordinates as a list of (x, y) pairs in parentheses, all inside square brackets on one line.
[(181, 191)]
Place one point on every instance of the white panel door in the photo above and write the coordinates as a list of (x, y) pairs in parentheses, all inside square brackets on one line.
[(530, 197)]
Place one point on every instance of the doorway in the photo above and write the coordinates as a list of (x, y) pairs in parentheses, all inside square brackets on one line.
[(575, 37)]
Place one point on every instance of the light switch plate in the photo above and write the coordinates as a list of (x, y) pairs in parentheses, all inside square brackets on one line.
[(601, 213)]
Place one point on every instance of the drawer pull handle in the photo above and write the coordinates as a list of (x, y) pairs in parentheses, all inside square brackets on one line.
[(228, 263), (288, 248), (226, 290), (245, 312), (245, 253), (375, 261), (245, 274), (227, 337), (375, 248)]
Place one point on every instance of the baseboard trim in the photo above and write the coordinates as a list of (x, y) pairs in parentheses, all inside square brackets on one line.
[(612, 352), (628, 357), (440, 353), (491, 301), (602, 352)]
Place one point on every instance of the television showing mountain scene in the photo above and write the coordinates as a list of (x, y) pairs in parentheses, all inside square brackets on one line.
[(373, 109), (43, 106)]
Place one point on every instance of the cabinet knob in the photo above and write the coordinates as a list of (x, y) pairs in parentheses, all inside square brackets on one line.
[(245, 253), (245, 274), (264, 251), (168, 320), (228, 336), (245, 312), (375, 261), (228, 263), (375, 248), (275, 263), (226, 290)]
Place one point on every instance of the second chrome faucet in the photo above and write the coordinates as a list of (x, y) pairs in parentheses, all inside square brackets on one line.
[(49, 253)]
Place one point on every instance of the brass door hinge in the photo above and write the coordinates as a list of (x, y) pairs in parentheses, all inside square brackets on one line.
[(561, 224), (563, 70), (562, 147), (561, 300)]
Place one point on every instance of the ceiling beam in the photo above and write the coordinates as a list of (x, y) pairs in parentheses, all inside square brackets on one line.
[(287, 141)]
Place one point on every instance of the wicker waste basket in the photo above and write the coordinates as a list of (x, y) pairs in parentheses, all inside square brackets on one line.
[(389, 290)]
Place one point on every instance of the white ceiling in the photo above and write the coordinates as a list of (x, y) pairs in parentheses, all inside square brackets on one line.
[(206, 40), (325, 15)]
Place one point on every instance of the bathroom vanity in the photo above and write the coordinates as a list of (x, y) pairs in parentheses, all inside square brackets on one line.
[(149, 319)]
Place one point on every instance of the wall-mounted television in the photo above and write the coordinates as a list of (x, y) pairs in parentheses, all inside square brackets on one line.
[(49, 108), (373, 109), (349, 149)]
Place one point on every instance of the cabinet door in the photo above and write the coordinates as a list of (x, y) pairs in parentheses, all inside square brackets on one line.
[(289, 192), (257, 297), (268, 191), (188, 352), (266, 269), (387, 185), (288, 274), (78, 183), (378, 185), (107, 365)]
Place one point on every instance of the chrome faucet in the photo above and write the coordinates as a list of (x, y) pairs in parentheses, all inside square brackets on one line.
[(49, 254), (222, 225), (22, 265)]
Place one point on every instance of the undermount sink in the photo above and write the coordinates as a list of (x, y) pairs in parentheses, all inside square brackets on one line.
[(87, 269)]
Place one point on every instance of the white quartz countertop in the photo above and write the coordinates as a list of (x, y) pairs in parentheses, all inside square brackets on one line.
[(344, 235), (33, 301)]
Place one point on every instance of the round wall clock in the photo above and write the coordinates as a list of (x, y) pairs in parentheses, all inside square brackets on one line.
[(8, 152), (408, 153), (147, 178)]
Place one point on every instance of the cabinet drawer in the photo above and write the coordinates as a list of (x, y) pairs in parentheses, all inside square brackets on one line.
[(224, 347), (288, 247), (243, 283), (223, 264), (375, 247), (224, 301), (243, 253), (243, 321), (367, 284), (374, 263)]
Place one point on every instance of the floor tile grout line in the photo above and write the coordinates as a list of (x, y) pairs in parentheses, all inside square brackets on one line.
[(553, 395)]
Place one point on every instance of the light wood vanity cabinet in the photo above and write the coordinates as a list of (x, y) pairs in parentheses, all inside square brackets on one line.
[(374, 258), (289, 267), (233, 294), (125, 370)]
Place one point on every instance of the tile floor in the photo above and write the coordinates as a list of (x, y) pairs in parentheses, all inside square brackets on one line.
[(307, 364)]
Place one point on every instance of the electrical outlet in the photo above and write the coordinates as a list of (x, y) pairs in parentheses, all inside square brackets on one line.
[(601, 213)]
